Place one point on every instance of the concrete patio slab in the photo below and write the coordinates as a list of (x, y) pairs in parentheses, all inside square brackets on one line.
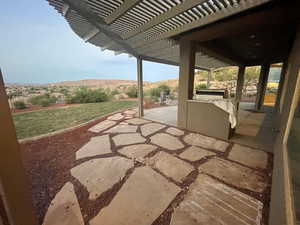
[(64, 208), (128, 139), (137, 121), (206, 142), (117, 116), (144, 196), (96, 146), (137, 152), (166, 141), (194, 153), (174, 131), (249, 156), (102, 126), (99, 175), (151, 128), (211, 202), (122, 128), (170, 166), (234, 174)]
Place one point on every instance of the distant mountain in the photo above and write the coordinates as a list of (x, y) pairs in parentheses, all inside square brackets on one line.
[(94, 83)]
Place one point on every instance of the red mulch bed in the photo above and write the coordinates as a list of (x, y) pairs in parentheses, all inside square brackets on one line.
[(48, 162), (34, 108)]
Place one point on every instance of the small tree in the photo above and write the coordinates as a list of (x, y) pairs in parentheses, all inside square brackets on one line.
[(132, 91), (200, 86), (165, 88)]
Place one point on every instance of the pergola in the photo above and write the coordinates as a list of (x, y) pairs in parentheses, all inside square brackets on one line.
[(193, 34)]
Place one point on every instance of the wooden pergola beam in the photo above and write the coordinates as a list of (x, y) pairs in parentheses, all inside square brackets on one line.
[(120, 11), (100, 24), (140, 86), (253, 21), (168, 62), (262, 85), (180, 8)]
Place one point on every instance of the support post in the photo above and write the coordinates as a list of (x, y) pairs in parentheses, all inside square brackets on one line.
[(140, 86), (186, 80), (262, 85), (280, 86), (209, 76), (240, 85), (14, 186)]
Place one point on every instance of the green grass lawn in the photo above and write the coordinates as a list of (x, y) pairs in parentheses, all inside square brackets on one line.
[(40, 122)]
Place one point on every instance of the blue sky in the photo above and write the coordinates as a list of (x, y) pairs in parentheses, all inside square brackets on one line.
[(38, 46)]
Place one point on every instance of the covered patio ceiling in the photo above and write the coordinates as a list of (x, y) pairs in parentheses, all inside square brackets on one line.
[(146, 28)]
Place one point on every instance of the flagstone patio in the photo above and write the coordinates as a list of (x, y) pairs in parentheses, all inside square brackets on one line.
[(139, 172)]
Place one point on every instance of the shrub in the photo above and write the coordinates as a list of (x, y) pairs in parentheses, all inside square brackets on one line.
[(19, 105), (42, 99), (201, 86), (132, 91), (155, 92), (84, 95)]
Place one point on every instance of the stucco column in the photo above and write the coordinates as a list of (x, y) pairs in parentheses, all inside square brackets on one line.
[(280, 86), (186, 80), (140, 86), (282, 205), (262, 85), (14, 187), (240, 84), (209, 76)]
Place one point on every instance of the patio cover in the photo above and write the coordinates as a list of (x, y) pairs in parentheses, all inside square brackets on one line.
[(144, 28)]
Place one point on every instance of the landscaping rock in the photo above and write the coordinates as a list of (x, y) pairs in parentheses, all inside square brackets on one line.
[(206, 142), (234, 174), (128, 139), (249, 156), (174, 131), (151, 128), (99, 175), (143, 197), (117, 116), (96, 146), (64, 208), (137, 121), (170, 166), (130, 112), (102, 126), (167, 141), (122, 128), (194, 153), (211, 202), (137, 152)]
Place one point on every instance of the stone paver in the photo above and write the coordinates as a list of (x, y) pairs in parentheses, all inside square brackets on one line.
[(234, 174), (174, 131), (117, 116), (211, 202), (249, 156), (137, 121), (99, 175), (194, 153), (130, 112), (143, 197), (206, 142), (170, 166), (102, 126), (128, 139), (122, 128), (137, 152), (151, 128), (166, 141), (96, 146), (64, 208)]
